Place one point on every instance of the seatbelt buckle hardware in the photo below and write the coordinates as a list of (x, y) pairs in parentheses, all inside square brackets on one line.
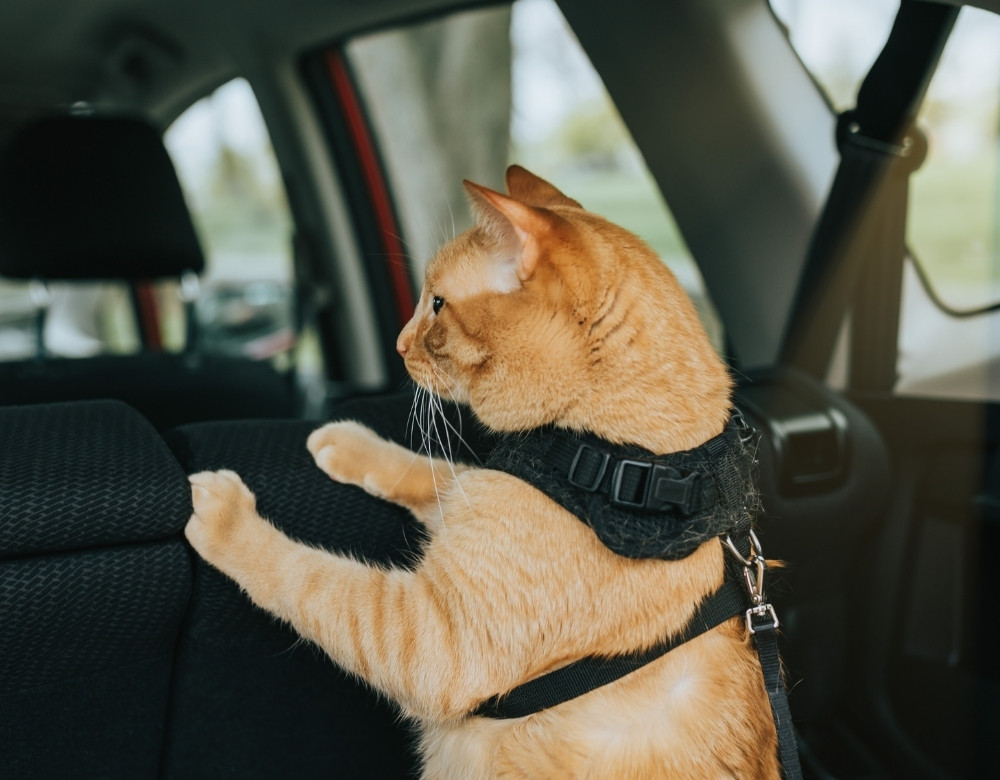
[(855, 135)]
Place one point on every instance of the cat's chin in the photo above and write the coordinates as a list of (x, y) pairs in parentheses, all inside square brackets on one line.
[(507, 420), (455, 394)]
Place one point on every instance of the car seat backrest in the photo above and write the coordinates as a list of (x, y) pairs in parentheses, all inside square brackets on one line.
[(289, 709), (123, 654), (94, 584), (97, 198), (824, 472), (169, 389)]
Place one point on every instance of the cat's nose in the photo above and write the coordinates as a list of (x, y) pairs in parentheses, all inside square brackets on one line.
[(405, 338)]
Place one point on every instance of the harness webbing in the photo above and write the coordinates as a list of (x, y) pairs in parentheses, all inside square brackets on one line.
[(588, 674), (643, 505), (640, 504)]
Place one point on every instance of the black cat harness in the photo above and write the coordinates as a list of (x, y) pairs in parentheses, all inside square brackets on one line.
[(643, 505)]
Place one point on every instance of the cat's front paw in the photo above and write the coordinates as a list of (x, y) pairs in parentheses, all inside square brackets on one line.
[(347, 452), (224, 509)]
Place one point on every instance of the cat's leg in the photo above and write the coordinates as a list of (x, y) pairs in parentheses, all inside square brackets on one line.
[(349, 452), (390, 626)]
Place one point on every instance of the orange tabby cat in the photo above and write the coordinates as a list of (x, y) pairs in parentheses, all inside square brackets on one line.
[(542, 314)]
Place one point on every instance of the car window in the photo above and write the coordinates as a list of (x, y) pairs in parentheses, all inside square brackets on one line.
[(954, 219), (951, 285), (60, 319), (463, 96), (231, 181), (226, 164), (837, 40)]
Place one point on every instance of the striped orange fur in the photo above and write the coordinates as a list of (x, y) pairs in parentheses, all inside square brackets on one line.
[(541, 314)]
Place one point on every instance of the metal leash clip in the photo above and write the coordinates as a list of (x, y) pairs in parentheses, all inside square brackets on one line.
[(754, 568)]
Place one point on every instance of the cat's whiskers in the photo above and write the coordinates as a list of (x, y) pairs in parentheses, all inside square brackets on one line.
[(446, 443), (422, 413), (457, 431), (438, 404), (431, 409), (451, 216), (411, 417)]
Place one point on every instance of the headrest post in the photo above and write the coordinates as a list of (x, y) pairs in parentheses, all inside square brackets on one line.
[(41, 299), (189, 292)]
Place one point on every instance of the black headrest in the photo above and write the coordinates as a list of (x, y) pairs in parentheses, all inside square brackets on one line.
[(92, 198)]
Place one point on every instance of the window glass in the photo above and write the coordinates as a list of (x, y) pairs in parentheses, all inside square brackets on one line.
[(464, 96), (951, 287), (232, 184), (954, 209), (17, 320), (62, 319), (837, 40), (953, 224)]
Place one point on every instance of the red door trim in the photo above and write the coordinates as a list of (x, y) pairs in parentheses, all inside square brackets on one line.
[(396, 261)]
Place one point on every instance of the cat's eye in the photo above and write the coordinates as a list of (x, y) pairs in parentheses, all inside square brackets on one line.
[(437, 303)]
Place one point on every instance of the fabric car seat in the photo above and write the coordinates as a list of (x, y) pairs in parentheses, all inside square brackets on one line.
[(275, 705), (86, 198), (95, 581), (124, 655)]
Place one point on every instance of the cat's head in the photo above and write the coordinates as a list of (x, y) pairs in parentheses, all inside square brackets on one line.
[(546, 313)]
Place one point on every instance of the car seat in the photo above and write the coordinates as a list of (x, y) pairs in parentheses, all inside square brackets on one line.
[(125, 655), (95, 581), (86, 198)]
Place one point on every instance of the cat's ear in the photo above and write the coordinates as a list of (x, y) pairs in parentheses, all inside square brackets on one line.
[(524, 186), (519, 229)]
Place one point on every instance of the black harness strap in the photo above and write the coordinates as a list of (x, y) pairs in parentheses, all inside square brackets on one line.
[(640, 504), (588, 674), (765, 637), (643, 505)]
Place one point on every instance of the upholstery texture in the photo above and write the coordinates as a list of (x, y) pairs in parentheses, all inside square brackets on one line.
[(124, 655), (94, 586), (85, 475), (277, 705)]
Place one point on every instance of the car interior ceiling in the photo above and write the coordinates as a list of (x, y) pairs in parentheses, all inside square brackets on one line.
[(844, 474)]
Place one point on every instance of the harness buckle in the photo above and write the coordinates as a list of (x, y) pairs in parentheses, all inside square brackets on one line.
[(654, 488), (588, 468)]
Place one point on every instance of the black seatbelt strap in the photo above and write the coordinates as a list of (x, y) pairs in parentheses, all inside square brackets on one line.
[(876, 158)]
